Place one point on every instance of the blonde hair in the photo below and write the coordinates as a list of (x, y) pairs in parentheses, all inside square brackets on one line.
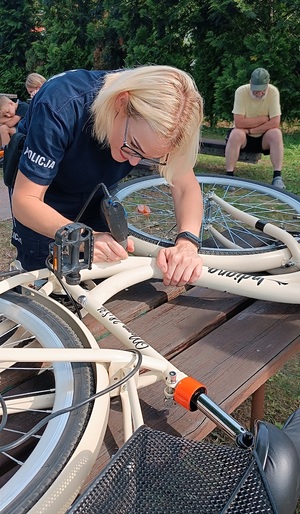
[(35, 80), (167, 98), (4, 100)]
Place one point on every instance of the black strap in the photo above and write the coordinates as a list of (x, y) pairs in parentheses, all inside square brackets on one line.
[(12, 154), (189, 236)]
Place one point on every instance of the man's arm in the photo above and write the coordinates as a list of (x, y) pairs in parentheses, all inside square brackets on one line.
[(257, 124), (264, 127), (9, 122), (241, 122)]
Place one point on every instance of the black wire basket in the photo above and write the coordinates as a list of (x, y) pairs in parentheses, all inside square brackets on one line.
[(162, 474)]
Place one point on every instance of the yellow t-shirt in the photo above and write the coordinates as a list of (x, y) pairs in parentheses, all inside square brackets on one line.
[(249, 107)]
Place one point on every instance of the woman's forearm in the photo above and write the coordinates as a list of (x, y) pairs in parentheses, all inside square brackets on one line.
[(38, 216), (188, 205)]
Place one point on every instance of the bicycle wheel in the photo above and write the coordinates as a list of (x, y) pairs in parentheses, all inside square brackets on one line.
[(28, 470), (149, 206)]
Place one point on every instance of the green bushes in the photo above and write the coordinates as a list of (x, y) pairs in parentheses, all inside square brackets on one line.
[(219, 42)]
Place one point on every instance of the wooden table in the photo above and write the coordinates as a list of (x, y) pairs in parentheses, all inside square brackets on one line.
[(230, 343)]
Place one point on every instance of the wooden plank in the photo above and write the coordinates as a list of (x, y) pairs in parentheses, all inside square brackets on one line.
[(237, 358), (233, 360), (176, 324), (257, 405), (207, 147), (9, 95), (213, 146), (217, 147), (135, 301)]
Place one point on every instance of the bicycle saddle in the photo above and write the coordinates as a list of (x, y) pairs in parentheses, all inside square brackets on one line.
[(279, 453)]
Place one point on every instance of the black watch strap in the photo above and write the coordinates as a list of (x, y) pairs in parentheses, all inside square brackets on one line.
[(189, 236)]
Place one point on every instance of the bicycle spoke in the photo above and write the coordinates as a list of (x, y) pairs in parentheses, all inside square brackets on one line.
[(32, 391), (149, 207)]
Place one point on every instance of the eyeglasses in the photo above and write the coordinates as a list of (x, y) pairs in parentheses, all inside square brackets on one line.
[(126, 148)]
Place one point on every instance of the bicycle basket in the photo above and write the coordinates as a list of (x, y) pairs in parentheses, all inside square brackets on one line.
[(158, 473)]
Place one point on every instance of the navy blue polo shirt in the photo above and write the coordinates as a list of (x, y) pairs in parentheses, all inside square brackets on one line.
[(22, 108), (61, 152)]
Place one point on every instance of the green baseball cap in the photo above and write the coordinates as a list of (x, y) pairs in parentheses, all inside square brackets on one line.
[(260, 79)]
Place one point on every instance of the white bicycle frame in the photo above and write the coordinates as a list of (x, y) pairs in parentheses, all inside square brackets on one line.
[(115, 363), (111, 364), (283, 287)]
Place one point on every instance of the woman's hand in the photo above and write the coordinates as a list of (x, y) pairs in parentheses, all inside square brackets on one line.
[(180, 264), (106, 249)]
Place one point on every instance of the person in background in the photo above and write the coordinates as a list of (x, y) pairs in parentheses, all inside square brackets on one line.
[(10, 115), (33, 83), (257, 115), (93, 127)]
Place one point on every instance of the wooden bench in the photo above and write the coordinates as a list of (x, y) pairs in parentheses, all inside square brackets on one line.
[(208, 147), (10, 95), (231, 344), (14, 97), (217, 147)]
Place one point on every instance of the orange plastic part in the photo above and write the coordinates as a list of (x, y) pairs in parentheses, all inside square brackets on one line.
[(185, 390), (143, 209), (1, 154)]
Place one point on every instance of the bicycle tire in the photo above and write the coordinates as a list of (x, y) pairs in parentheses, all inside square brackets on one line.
[(25, 321), (158, 227)]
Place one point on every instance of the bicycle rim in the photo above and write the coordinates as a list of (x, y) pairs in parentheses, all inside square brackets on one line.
[(29, 470), (150, 212)]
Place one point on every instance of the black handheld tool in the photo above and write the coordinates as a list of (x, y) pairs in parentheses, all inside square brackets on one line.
[(115, 217)]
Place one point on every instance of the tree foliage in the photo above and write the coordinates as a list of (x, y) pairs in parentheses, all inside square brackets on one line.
[(219, 42), (17, 34), (239, 36), (67, 40), (154, 32)]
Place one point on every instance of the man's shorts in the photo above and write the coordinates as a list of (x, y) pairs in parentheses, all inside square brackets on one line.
[(253, 145)]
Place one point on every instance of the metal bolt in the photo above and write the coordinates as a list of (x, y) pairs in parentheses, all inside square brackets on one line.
[(82, 300)]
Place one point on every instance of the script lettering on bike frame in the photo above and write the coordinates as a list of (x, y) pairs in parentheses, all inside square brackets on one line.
[(137, 342), (238, 277)]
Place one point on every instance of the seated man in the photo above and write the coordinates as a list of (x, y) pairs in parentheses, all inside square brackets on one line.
[(256, 129), (10, 115)]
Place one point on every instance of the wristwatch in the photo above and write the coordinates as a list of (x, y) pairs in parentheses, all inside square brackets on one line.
[(190, 237)]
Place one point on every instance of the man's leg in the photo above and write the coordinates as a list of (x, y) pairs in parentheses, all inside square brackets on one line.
[(236, 141), (272, 140), (4, 132)]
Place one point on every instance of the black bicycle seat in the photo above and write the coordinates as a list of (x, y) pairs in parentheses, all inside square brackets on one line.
[(279, 453)]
